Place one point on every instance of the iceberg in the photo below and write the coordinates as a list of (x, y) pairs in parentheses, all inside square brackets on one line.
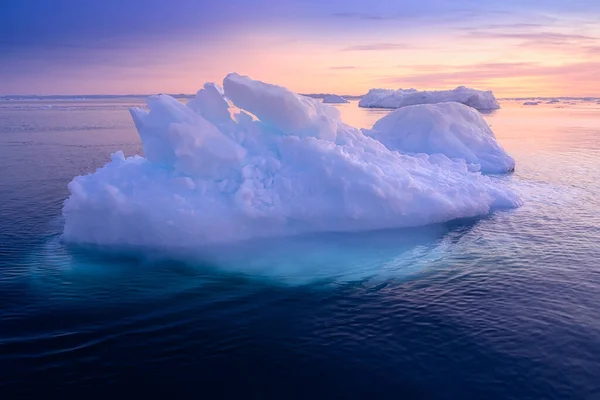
[(252, 160), (451, 130), (334, 99), (389, 98), (531, 103)]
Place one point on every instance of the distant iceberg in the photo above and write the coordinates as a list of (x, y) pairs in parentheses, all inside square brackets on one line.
[(278, 164), (553, 101), (334, 99), (388, 98), (449, 129), (531, 103)]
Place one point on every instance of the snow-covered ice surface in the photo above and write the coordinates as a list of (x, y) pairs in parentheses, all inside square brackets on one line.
[(388, 98), (334, 99), (283, 165), (444, 131)]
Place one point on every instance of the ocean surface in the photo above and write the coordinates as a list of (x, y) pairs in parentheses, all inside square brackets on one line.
[(503, 307)]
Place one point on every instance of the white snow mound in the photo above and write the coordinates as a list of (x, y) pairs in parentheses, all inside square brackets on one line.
[(284, 165), (389, 98), (451, 129), (334, 99)]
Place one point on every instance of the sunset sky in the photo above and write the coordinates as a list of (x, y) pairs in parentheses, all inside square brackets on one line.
[(514, 47)]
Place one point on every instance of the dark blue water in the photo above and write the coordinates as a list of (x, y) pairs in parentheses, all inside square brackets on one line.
[(504, 307)]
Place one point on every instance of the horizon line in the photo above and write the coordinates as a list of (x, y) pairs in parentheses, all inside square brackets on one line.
[(5, 97)]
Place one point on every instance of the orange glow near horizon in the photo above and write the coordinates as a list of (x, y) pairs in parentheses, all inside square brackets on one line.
[(537, 63), (507, 66), (509, 70)]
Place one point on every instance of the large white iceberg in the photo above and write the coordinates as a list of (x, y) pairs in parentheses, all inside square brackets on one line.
[(389, 98), (452, 129), (334, 99), (284, 164)]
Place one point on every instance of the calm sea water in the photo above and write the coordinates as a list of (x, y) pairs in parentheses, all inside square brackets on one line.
[(504, 307)]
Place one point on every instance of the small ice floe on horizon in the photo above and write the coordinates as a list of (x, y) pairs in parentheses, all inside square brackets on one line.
[(334, 99), (283, 165), (553, 101), (531, 103), (389, 98)]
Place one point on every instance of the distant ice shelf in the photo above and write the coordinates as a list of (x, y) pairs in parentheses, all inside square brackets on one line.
[(389, 98)]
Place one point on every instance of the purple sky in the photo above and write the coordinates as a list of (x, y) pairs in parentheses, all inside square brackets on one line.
[(515, 47)]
